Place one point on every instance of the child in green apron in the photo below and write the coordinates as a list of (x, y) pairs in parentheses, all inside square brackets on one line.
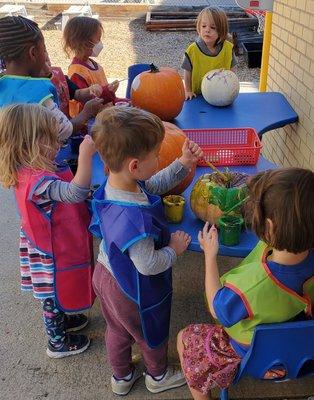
[(274, 283)]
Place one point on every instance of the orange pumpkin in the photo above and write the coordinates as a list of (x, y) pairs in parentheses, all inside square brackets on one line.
[(159, 91), (171, 148)]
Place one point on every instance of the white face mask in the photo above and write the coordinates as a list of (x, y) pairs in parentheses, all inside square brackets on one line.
[(97, 49)]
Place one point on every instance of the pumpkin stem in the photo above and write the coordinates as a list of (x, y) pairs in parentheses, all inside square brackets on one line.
[(153, 68)]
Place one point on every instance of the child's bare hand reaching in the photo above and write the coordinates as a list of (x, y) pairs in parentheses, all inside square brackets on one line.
[(208, 240), (189, 95), (191, 152), (84, 168), (93, 107), (113, 86), (179, 242), (87, 148), (95, 90)]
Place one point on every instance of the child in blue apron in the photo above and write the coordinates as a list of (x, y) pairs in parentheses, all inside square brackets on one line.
[(56, 259), (23, 52), (133, 276), (274, 283)]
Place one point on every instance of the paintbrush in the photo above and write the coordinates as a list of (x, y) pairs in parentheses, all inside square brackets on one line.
[(221, 174)]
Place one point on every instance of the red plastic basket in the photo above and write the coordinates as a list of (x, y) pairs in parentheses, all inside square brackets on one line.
[(231, 146)]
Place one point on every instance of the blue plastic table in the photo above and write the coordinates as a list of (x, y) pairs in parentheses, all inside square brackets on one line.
[(190, 223), (262, 111), (193, 225)]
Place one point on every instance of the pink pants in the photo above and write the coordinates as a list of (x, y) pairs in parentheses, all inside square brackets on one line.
[(124, 328)]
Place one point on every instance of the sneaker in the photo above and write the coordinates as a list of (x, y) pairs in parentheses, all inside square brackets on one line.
[(172, 378), (123, 386), (75, 322), (73, 344)]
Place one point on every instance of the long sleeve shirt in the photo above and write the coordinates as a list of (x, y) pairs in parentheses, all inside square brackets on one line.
[(146, 259)]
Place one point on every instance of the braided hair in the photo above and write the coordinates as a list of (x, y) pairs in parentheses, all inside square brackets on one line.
[(17, 34)]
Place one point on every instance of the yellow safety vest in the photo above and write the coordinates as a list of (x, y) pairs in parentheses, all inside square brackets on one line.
[(203, 63)]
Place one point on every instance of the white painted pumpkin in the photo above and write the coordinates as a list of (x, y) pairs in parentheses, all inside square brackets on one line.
[(220, 87)]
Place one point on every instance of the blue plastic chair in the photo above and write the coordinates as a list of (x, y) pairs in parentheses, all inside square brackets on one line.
[(289, 344), (133, 71)]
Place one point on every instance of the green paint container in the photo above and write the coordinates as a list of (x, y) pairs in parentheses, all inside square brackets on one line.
[(174, 208), (230, 229)]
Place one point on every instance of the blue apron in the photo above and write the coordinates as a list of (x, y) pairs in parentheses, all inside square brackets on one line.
[(121, 224), (25, 89)]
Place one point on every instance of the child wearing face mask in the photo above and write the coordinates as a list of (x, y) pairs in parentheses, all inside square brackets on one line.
[(82, 37)]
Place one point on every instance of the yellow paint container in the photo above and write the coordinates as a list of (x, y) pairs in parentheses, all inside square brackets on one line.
[(174, 208)]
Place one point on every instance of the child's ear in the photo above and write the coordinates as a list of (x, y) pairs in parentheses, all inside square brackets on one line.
[(269, 229), (32, 53), (133, 165)]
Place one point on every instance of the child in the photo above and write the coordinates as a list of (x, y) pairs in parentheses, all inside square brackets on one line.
[(22, 48), (55, 246), (274, 283), (210, 51), (133, 275), (82, 37), (66, 89)]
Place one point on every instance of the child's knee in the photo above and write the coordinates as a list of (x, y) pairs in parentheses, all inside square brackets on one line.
[(180, 341)]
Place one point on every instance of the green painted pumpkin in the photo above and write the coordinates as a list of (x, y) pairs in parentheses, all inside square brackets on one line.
[(211, 196)]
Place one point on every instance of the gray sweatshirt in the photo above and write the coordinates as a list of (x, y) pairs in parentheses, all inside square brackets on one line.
[(146, 259)]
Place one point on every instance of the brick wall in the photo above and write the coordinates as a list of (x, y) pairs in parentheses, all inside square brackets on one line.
[(291, 72)]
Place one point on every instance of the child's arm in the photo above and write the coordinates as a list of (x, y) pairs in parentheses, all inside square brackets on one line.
[(65, 126), (149, 261), (91, 108), (171, 176), (83, 95), (187, 76), (208, 239), (78, 189), (84, 168)]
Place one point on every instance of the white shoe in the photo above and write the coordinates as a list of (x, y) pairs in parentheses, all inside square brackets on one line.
[(123, 386), (172, 378)]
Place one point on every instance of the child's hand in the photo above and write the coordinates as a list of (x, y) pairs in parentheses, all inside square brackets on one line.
[(179, 242), (191, 152), (208, 240), (93, 107), (95, 90), (189, 95), (87, 148), (113, 86)]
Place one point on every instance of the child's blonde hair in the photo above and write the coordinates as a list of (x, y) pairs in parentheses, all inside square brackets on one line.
[(220, 20), (28, 138), (77, 34), (122, 132)]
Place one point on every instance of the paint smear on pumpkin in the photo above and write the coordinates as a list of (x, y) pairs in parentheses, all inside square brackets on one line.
[(136, 82)]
